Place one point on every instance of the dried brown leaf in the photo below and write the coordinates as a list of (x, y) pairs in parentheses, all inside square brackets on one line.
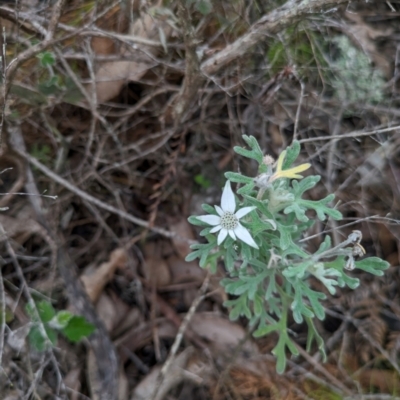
[(112, 75), (182, 271), (95, 280), (157, 272), (184, 233), (107, 311), (175, 376), (385, 381), (132, 319), (222, 335), (72, 381)]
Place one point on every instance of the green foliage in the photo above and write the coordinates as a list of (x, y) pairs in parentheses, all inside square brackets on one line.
[(300, 206), (42, 152), (202, 181), (47, 59), (41, 339), (50, 87), (203, 6), (297, 46), (46, 324), (355, 79), (268, 267), (49, 84), (77, 328)]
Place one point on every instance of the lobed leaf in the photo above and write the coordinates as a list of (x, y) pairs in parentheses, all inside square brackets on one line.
[(45, 310), (39, 341), (292, 152), (255, 153), (280, 353), (61, 320), (314, 335), (239, 308), (298, 270), (265, 330), (239, 178), (78, 328), (314, 298), (373, 265), (344, 279), (325, 245)]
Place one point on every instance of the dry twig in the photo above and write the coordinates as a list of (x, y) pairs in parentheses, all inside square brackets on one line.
[(107, 366), (178, 339)]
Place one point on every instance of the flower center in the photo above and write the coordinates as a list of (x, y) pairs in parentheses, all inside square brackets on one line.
[(229, 221)]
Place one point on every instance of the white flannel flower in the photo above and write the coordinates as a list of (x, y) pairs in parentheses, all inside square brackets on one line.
[(227, 221)]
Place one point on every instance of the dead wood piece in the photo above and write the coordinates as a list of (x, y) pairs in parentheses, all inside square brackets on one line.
[(18, 184), (272, 23)]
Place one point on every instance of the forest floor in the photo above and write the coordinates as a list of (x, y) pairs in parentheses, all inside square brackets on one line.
[(119, 122)]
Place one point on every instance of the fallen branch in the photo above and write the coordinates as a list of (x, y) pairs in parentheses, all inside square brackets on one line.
[(272, 23)]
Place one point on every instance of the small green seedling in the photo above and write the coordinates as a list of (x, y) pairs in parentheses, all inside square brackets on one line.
[(46, 324)]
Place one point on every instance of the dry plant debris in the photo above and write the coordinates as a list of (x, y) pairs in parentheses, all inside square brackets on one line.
[(124, 114)]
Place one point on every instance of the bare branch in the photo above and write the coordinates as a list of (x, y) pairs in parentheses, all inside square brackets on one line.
[(55, 17), (179, 337), (104, 351), (86, 196), (272, 23), (193, 77)]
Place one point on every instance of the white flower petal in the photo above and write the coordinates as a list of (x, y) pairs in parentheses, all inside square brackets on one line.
[(244, 211), (216, 229), (209, 219), (222, 235), (220, 211), (228, 199), (232, 234), (243, 234)]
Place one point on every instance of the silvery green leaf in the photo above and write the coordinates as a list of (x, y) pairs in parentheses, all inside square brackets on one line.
[(325, 245), (265, 330), (279, 351), (238, 178), (314, 297), (313, 334), (298, 270), (255, 153), (239, 308), (258, 305), (292, 152), (373, 265), (209, 209)]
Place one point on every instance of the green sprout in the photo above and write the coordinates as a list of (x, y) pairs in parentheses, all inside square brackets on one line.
[(46, 324)]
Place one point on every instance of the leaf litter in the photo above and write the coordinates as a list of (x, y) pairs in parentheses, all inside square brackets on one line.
[(137, 279)]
